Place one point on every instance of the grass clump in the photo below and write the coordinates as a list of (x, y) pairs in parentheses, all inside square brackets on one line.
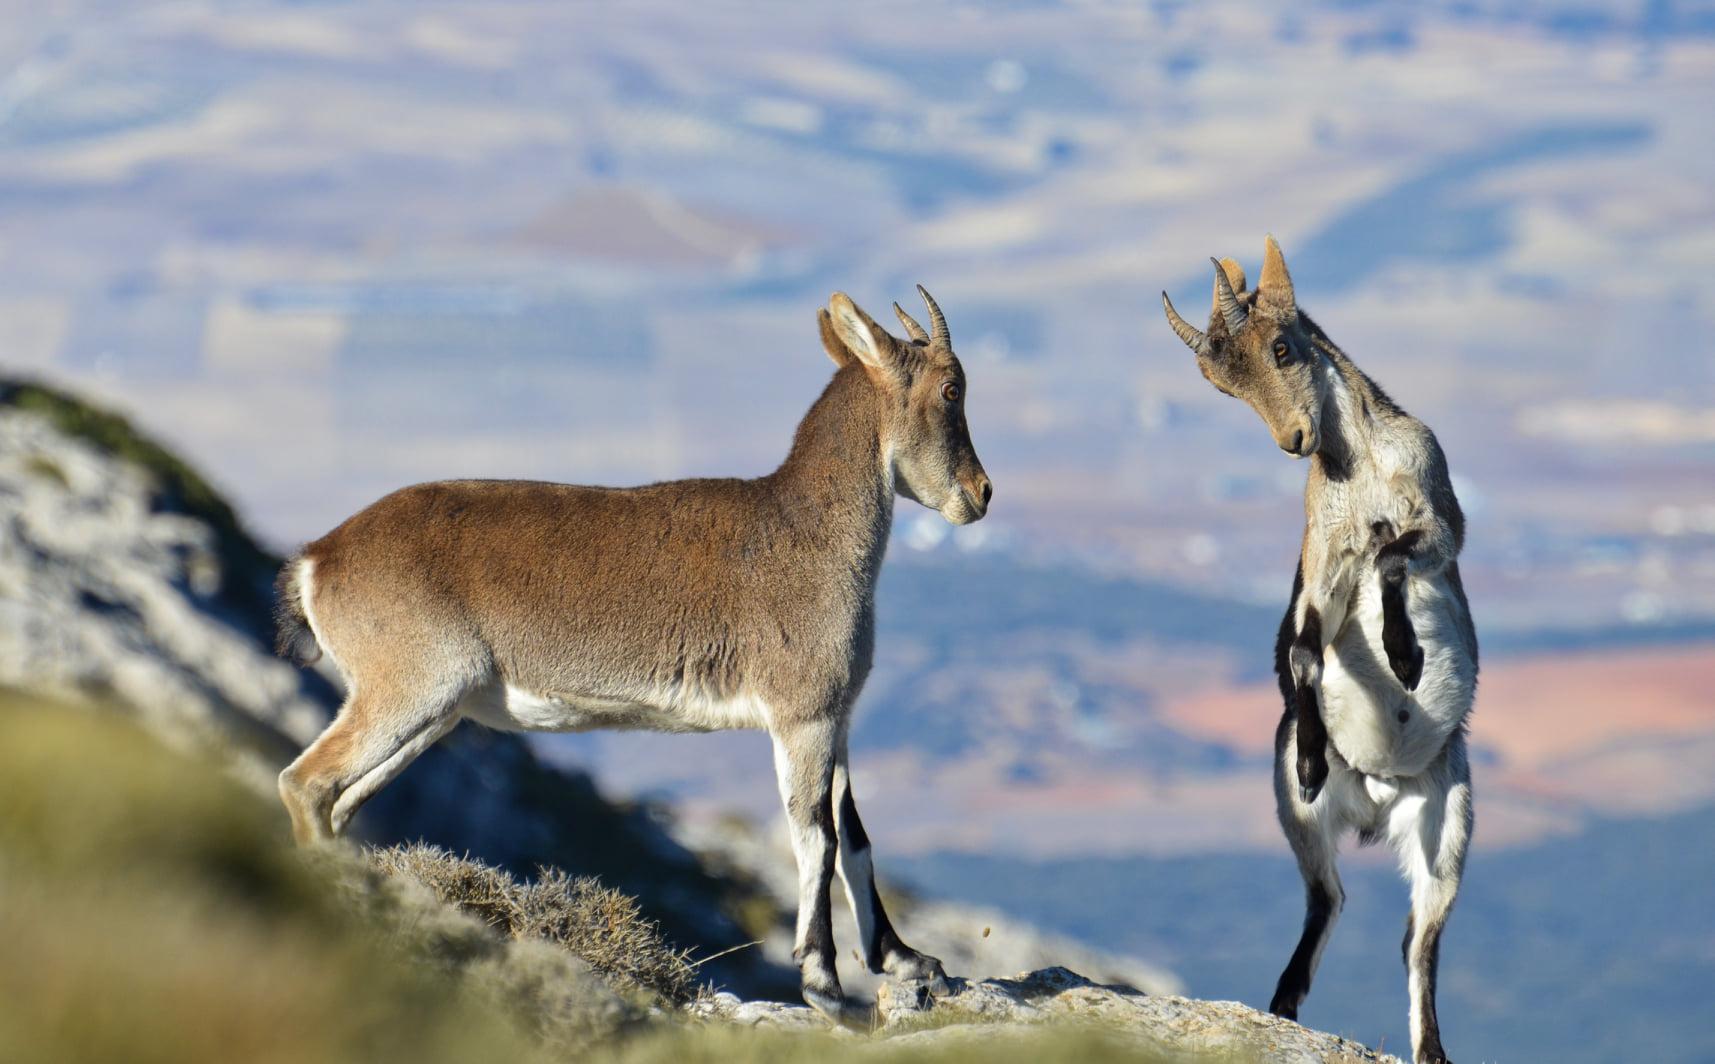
[(595, 923)]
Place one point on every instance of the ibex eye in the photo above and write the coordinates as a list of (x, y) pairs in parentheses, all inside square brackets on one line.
[(1281, 352), (950, 392)]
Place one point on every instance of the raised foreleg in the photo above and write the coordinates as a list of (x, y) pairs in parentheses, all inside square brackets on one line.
[(1394, 557), (1319, 606)]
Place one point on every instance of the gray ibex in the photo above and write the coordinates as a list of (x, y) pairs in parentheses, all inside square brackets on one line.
[(1377, 656), (693, 605)]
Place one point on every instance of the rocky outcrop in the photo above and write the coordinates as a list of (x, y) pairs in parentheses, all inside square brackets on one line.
[(967, 938), (980, 1018)]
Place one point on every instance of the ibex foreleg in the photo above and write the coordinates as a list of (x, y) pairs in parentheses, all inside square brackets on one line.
[(1399, 639), (1318, 614), (804, 764)]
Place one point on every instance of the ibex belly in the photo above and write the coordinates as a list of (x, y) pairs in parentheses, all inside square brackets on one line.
[(1378, 726), (509, 708)]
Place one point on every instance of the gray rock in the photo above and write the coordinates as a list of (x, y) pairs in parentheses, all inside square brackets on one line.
[(967, 938), (1002, 1008)]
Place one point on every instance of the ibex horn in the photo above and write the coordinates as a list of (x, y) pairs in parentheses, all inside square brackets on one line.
[(1194, 338), (937, 324), (911, 327), (1231, 311)]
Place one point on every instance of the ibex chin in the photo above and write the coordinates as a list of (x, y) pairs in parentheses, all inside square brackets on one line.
[(1377, 655), (693, 605)]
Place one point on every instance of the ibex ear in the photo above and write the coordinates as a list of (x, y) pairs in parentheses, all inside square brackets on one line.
[(864, 340), (1235, 275), (1275, 285), (831, 342)]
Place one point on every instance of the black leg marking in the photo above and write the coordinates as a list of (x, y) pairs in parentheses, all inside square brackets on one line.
[(1429, 1050), (819, 935), (883, 950), (1294, 984), (1312, 763), (882, 938), (1404, 655)]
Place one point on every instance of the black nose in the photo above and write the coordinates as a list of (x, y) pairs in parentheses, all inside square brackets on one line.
[(1297, 443)]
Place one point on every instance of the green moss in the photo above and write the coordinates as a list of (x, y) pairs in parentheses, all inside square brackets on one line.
[(46, 468)]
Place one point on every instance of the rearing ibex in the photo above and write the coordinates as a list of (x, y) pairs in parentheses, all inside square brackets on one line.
[(693, 605), (1377, 655)]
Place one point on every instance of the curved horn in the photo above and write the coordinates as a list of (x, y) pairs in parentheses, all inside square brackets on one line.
[(911, 327), (1232, 312), (1194, 339), (937, 323)]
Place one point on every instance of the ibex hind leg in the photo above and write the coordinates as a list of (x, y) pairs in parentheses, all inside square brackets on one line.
[(371, 741), (883, 950), (1313, 830), (1430, 827)]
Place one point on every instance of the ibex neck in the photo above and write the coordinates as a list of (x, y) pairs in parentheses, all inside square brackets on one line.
[(836, 478), (1350, 409)]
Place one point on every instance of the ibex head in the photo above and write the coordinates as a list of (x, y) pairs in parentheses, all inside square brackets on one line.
[(922, 390), (1258, 350)]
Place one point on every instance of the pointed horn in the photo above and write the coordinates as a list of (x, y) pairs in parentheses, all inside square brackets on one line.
[(1274, 283), (911, 327), (937, 323), (1187, 332), (1231, 311)]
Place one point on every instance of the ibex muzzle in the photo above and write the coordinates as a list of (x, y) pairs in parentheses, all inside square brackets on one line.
[(1257, 350), (692, 605)]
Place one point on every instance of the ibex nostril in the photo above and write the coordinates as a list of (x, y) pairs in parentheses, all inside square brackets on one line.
[(987, 492), (1297, 442)]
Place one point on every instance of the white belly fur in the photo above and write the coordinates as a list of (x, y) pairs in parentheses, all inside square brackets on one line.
[(508, 708), (1362, 699)]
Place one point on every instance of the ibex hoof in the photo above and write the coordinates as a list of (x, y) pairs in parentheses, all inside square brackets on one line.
[(1312, 774), (1408, 667), (838, 1009)]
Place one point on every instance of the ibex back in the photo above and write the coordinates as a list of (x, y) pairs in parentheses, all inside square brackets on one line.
[(693, 605)]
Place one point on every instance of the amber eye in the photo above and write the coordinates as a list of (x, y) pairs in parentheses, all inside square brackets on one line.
[(950, 392), (1281, 352)]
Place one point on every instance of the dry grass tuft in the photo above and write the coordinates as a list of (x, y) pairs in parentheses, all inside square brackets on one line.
[(590, 921)]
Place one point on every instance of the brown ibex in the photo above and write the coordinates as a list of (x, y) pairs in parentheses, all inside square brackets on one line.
[(1377, 655), (692, 605)]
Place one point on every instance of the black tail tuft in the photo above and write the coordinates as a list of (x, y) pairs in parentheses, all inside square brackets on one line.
[(293, 639)]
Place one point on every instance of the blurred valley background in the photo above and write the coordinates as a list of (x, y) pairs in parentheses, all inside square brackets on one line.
[(327, 249)]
